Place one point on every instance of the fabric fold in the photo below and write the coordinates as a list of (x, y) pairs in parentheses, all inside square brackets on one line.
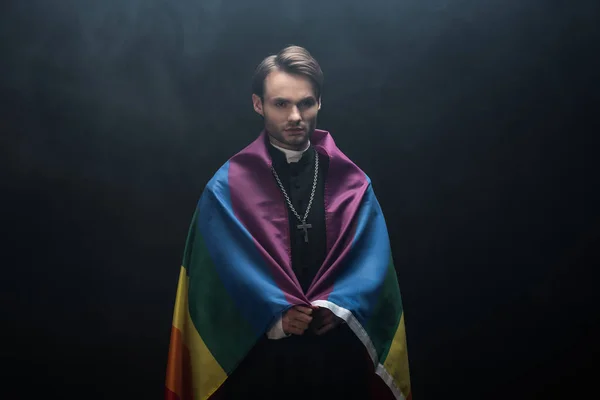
[(236, 277)]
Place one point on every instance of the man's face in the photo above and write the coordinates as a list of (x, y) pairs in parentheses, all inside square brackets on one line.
[(289, 109)]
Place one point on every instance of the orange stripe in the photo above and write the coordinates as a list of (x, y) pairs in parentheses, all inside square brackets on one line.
[(188, 354), (179, 367)]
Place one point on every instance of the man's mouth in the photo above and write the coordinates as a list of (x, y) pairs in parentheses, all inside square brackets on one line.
[(294, 130)]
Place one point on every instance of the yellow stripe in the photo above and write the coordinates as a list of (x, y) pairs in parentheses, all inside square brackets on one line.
[(181, 301), (396, 362), (207, 375)]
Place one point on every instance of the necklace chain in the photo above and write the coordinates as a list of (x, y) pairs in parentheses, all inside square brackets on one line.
[(312, 194)]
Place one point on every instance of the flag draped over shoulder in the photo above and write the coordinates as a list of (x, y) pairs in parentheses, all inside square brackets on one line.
[(236, 277)]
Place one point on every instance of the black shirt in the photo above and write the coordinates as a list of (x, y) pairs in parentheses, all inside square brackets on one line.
[(307, 366), (297, 178)]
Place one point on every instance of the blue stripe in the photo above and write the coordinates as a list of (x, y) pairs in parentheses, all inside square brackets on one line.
[(358, 286), (233, 251)]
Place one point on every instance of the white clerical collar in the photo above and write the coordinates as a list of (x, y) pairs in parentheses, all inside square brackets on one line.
[(292, 155)]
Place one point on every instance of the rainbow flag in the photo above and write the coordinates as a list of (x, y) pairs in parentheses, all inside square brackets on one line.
[(236, 277)]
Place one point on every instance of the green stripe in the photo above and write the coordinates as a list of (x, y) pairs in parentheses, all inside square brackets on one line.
[(213, 312), (384, 320)]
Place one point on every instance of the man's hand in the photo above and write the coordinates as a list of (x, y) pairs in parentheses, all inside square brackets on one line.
[(324, 321), (296, 320)]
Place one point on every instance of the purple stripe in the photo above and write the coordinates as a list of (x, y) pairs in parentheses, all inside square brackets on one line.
[(260, 207), (345, 187)]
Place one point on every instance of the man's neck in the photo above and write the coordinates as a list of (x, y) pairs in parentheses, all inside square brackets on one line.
[(290, 155)]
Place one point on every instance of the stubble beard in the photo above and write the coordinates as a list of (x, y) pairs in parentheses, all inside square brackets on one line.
[(278, 135)]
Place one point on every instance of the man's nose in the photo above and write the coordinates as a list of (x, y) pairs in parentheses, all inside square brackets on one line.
[(295, 114)]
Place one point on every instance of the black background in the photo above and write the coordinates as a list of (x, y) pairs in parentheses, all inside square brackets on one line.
[(474, 119)]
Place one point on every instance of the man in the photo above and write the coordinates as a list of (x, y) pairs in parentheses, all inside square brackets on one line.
[(288, 288)]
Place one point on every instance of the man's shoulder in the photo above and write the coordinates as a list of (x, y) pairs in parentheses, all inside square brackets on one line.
[(219, 177)]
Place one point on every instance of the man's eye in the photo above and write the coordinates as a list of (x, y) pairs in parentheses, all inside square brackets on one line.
[(280, 104)]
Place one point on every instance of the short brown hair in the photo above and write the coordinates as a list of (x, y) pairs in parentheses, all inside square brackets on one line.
[(293, 60)]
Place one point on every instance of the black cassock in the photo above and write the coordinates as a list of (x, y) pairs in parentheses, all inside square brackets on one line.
[(331, 366)]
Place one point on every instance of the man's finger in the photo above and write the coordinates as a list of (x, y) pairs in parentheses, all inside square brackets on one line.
[(299, 325), (324, 312), (323, 318), (295, 331), (327, 318), (324, 321), (301, 317), (304, 310), (325, 328)]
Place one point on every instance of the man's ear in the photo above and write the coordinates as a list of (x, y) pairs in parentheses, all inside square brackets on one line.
[(258, 105), (319, 102)]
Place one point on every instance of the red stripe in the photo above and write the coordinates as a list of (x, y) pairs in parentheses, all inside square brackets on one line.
[(218, 395), (179, 369), (170, 395), (378, 388)]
